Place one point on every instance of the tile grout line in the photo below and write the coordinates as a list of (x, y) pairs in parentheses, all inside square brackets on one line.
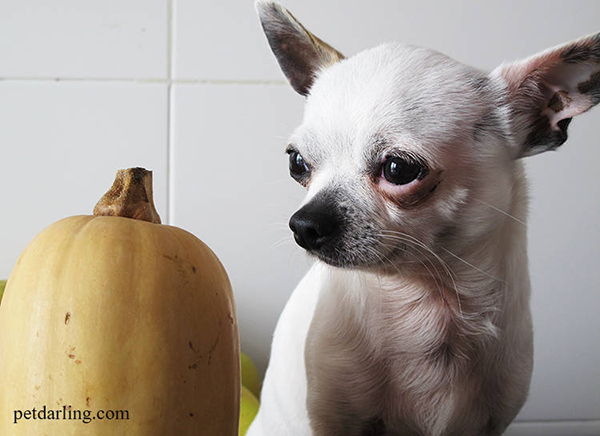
[(168, 81), (557, 421), (169, 157)]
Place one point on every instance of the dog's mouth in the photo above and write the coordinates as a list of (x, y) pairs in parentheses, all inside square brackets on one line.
[(367, 254), (338, 261), (343, 262), (353, 255)]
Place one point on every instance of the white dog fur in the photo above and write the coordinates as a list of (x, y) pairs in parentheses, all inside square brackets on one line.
[(418, 323)]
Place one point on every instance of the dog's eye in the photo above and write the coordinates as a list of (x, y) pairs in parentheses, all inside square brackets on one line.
[(400, 171), (298, 167)]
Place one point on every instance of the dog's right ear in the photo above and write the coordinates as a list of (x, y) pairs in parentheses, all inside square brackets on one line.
[(546, 90), (301, 55)]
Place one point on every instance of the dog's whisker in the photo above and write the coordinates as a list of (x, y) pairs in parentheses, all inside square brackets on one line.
[(281, 241), (444, 265), (485, 273), (435, 275), (491, 206)]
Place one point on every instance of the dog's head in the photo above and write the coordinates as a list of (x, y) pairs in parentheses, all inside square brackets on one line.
[(402, 147)]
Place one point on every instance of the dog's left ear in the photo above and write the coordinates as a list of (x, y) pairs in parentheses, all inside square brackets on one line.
[(547, 90), (300, 54)]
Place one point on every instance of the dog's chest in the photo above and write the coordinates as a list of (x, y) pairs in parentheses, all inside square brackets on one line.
[(426, 350), (405, 355)]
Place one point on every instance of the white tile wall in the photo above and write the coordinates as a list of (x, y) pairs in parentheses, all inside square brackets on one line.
[(83, 39), (190, 89)]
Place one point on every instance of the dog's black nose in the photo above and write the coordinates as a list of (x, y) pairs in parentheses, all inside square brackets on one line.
[(314, 224)]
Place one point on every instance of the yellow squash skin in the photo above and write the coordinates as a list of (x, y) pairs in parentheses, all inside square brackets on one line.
[(113, 313)]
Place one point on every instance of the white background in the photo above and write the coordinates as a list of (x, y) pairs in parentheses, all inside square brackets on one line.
[(189, 89)]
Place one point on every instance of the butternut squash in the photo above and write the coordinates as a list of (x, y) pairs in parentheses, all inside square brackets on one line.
[(118, 313)]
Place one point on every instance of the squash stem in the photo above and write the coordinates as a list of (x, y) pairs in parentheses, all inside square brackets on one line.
[(130, 196)]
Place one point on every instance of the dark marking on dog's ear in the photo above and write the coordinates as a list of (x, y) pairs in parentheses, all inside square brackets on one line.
[(559, 101), (301, 55), (491, 427), (543, 138), (584, 52), (374, 427), (591, 87)]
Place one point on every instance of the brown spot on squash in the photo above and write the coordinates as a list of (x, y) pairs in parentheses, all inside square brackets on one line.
[(78, 361), (180, 264), (87, 401), (67, 317), (71, 356), (213, 347)]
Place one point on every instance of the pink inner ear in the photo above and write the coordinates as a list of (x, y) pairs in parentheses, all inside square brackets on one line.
[(566, 100)]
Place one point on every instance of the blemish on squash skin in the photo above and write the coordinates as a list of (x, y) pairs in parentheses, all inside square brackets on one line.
[(182, 265), (78, 361), (87, 401), (191, 415), (67, 317), (37, 387), (192, 347), (71, 356), (213, 347)]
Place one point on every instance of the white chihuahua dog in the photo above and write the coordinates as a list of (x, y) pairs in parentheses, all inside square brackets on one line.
[(415, 319)]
